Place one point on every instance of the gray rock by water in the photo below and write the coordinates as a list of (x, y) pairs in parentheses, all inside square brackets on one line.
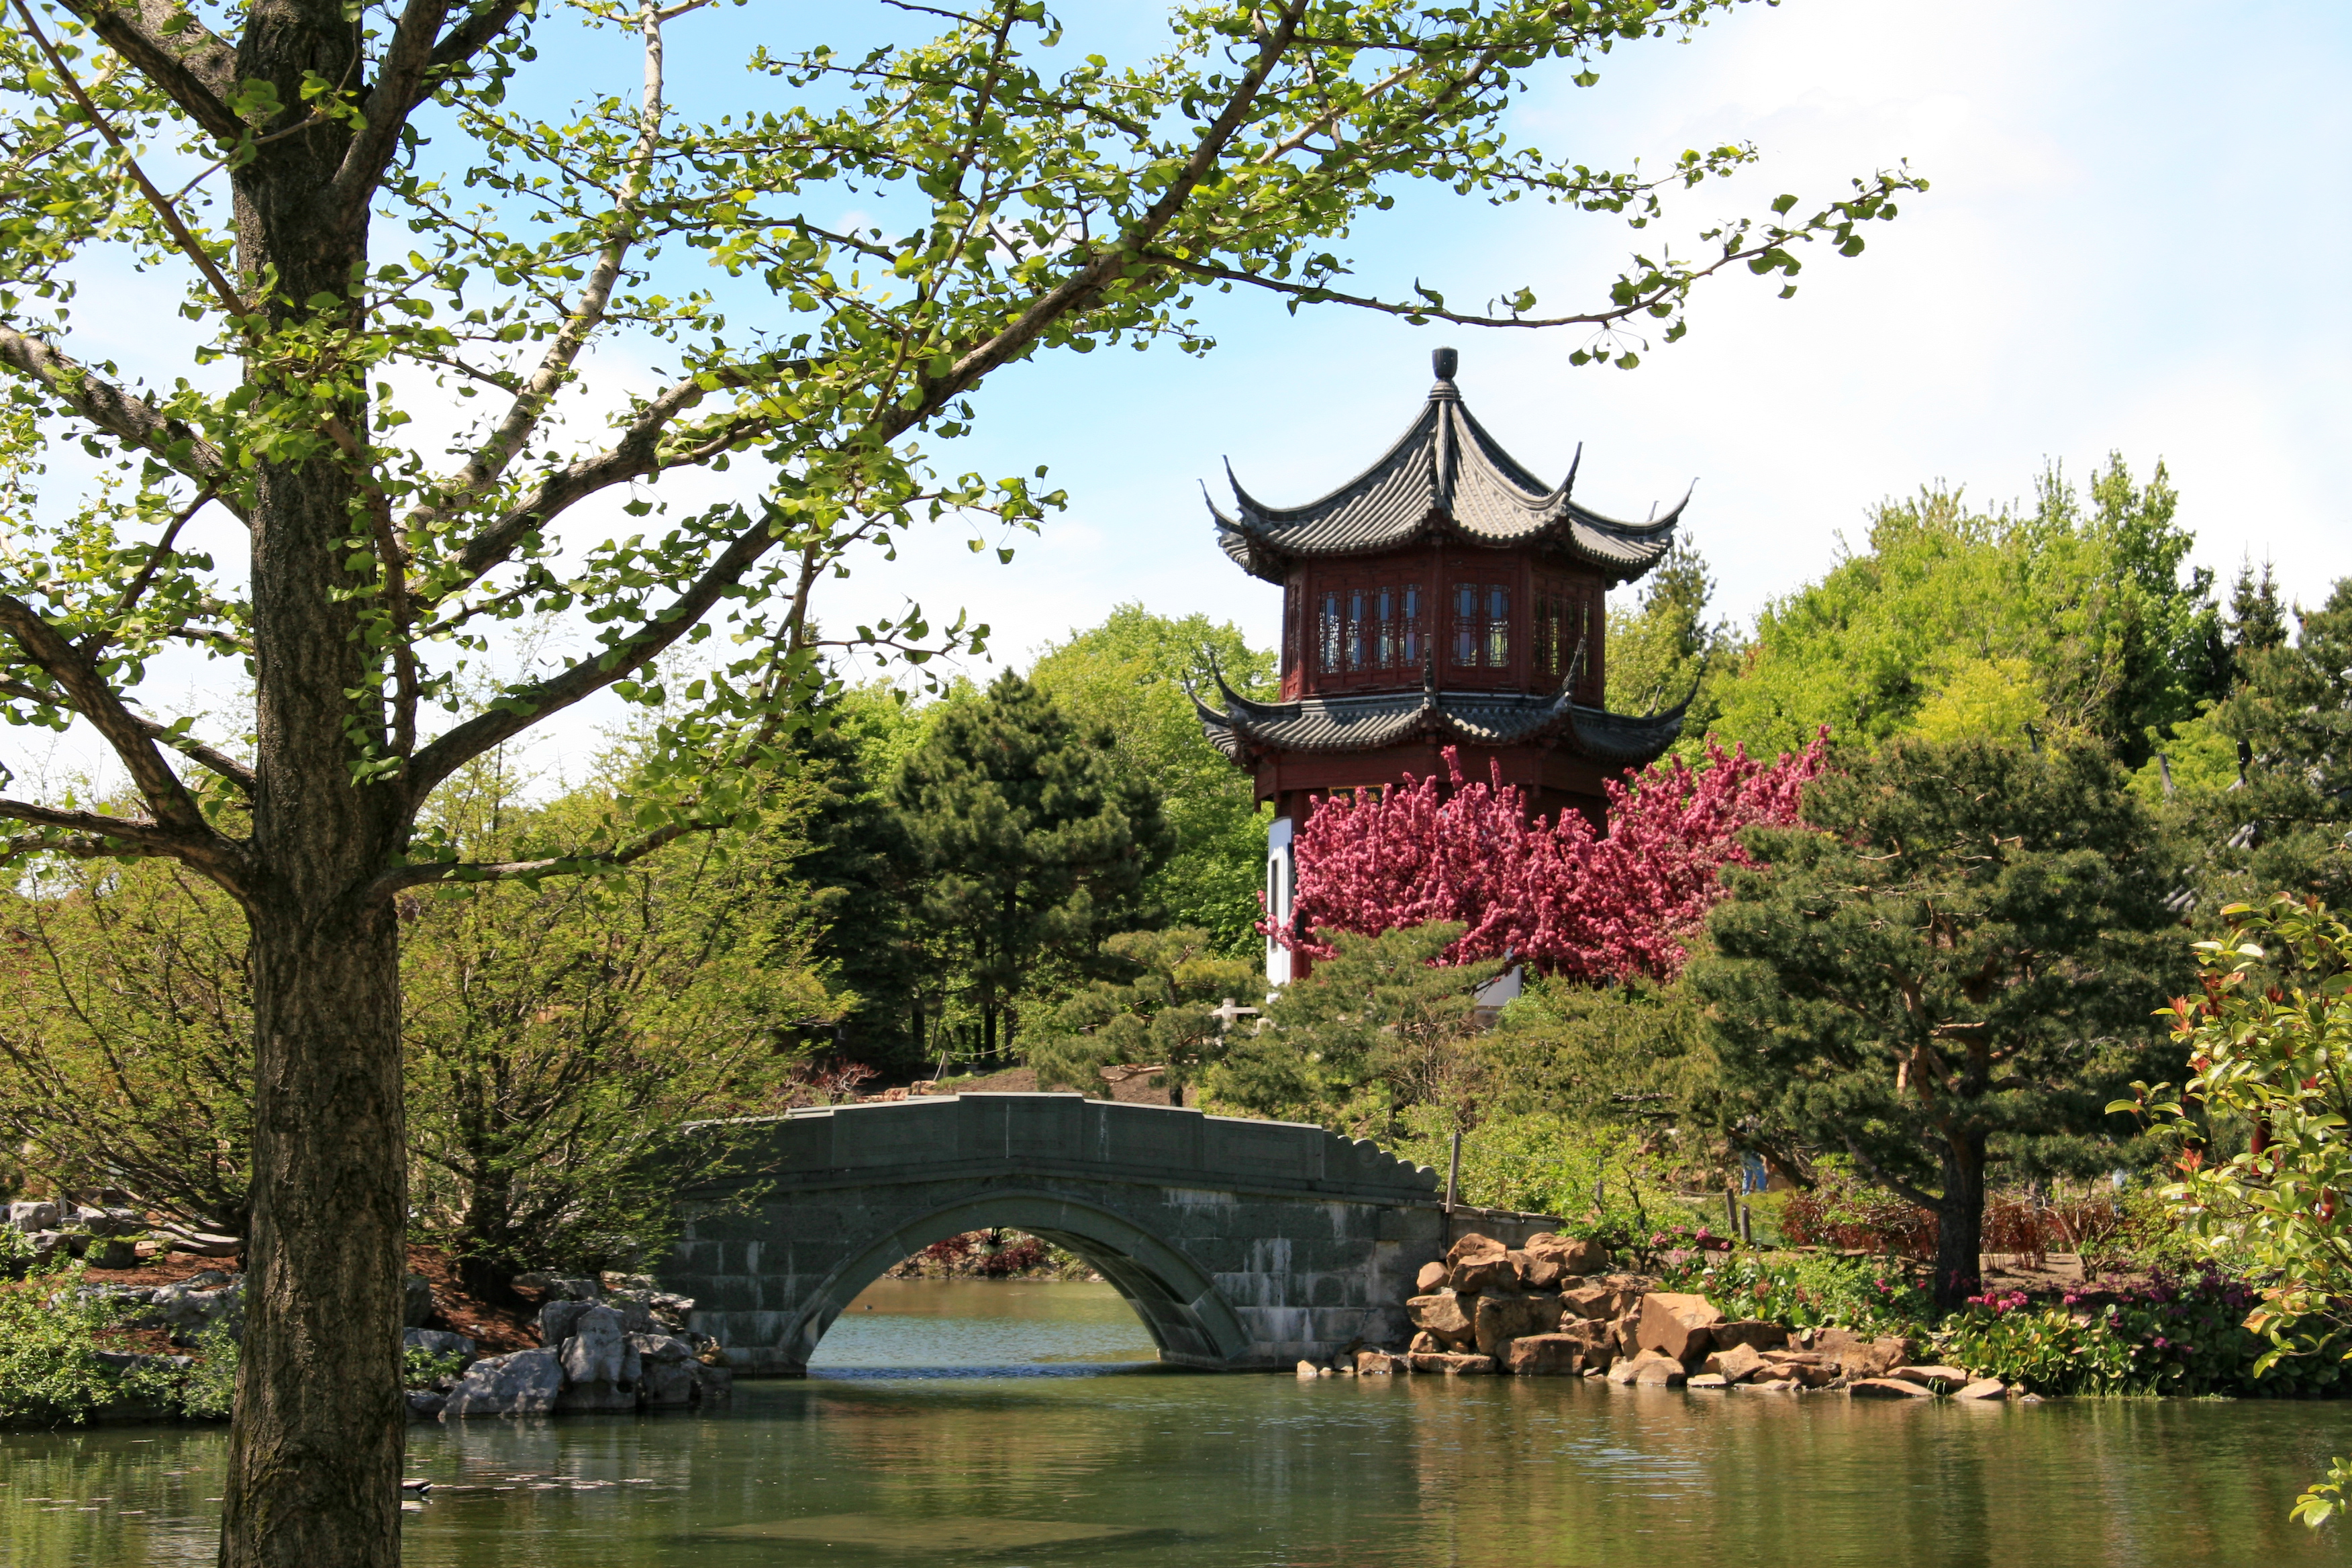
[(666, 1371), (520, 1382), (416, 1307), (205, 1299), (436, 1342), (556, 1318), (424, 1404)]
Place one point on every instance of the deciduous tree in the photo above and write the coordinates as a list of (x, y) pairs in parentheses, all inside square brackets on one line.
[(1164, 1014), (373, 230), (1549, 893)]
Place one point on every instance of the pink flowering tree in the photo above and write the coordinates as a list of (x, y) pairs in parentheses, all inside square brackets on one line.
[(1552, 893)]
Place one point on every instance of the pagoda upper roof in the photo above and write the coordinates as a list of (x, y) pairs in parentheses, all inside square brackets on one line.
[(1373, 721), (1446, 477)]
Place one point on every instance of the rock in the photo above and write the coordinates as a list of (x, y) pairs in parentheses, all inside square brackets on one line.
[(593, 1350), (1546, 1355), (1573, 1256), (1444, 1317), (30, 1217), (1885, 1388), (520, 1382), (1423, 1343), (1751, 1331), (1738, 1365), (1653, 1369), (205, 1299), (424, 1405), (1590, 1301), (1810, 1370), (1706, 1380), (205, 1244), (1452, 1364), (1532, 1272), (436, 1342), (1861, 1357), (1306, 1369), (1676, 1325), (1621, 1373), (559, 1287), (557, 1317), (1374, 1363), (1477, 1263), (713, 1384), (1984, 1388), (1775, 1385), (47, 1243), (1499, 1319), (112, 1221), (416, 1307), (1928, 1377), (637, 1311), (1431, 1276), (666, 1371), (111, 1252)]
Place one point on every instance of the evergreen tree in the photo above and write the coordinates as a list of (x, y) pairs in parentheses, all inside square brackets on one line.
[(2289, 825), (1036, 843), (1958, 969), (1163, 1015), (1377, 1029), (1129, 675)]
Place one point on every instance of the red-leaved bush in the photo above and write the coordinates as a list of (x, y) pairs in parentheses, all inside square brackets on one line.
[(1551, 894)]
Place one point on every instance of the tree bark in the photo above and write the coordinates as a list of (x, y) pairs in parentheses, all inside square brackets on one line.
[(1959, 1224), (315, 1452)]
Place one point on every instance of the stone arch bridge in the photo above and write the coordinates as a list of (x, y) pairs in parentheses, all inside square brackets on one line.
[(1241, 1244)]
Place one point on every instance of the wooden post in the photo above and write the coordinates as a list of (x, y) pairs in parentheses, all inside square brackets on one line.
[(1453, 1184)]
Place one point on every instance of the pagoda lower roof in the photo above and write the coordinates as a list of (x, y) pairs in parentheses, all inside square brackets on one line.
[(1367, 722), (1445, 477)]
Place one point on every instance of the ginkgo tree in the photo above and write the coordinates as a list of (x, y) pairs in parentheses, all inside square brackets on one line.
[(368, 225)]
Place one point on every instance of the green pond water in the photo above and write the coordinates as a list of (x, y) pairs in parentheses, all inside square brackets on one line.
[(1010, 1424)]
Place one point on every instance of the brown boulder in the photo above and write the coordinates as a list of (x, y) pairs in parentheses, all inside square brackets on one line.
[(1479, 1263), (1860, 1357), (1984, 1388), (1546, 1355), (1374, 1363), (1444, 1317), (1537, 1271), (1706, 1380), (1430, 1278), (1423, 1343), (1927, 1377), (1676, 1325), (1574, 1255), (1886, 1388), (1452, 1365), (1651, 1370), (1736, 1364), (1499, 1319), (1591, 1301), (1751, 1332)]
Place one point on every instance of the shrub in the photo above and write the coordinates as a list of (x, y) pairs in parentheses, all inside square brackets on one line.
[(1804, 1291), (1599, 1180), (52, 1374)]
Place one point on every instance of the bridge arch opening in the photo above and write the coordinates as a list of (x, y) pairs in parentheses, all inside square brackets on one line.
[(1179, 1304)]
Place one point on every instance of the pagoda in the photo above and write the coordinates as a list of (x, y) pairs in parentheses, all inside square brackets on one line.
[(1443, 597)]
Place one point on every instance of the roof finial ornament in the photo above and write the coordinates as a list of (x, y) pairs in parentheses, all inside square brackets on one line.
[(1444, 361)]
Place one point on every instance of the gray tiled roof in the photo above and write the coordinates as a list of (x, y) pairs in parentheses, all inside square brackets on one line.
[(1377, 720), (1447, 475)]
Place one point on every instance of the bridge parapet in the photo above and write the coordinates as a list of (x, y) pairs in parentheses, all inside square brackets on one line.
[(939, 1137)]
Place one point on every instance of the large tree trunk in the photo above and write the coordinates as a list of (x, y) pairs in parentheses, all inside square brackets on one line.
[(1959, 1224), (314, 1457)]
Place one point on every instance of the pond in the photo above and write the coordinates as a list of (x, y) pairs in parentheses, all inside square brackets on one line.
[(1010, 1422)]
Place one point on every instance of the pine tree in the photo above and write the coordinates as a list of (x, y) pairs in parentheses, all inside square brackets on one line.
[(1959, 968), (1379, 1028), (1164, 1013), (2289, 827), (1036, 844)]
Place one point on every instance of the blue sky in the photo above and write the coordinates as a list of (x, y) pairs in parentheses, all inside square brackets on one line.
[(2134, 242)]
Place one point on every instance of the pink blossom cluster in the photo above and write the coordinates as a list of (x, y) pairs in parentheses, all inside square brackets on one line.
[(1552, 894)]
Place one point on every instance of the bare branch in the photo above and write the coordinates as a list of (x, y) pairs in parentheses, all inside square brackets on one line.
[(113, 410), (444, 871), (1315, 294), (62, 662), (399, 88), (490, 459), (519, 710), (192, 66), (146, 835), (196, 750)]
